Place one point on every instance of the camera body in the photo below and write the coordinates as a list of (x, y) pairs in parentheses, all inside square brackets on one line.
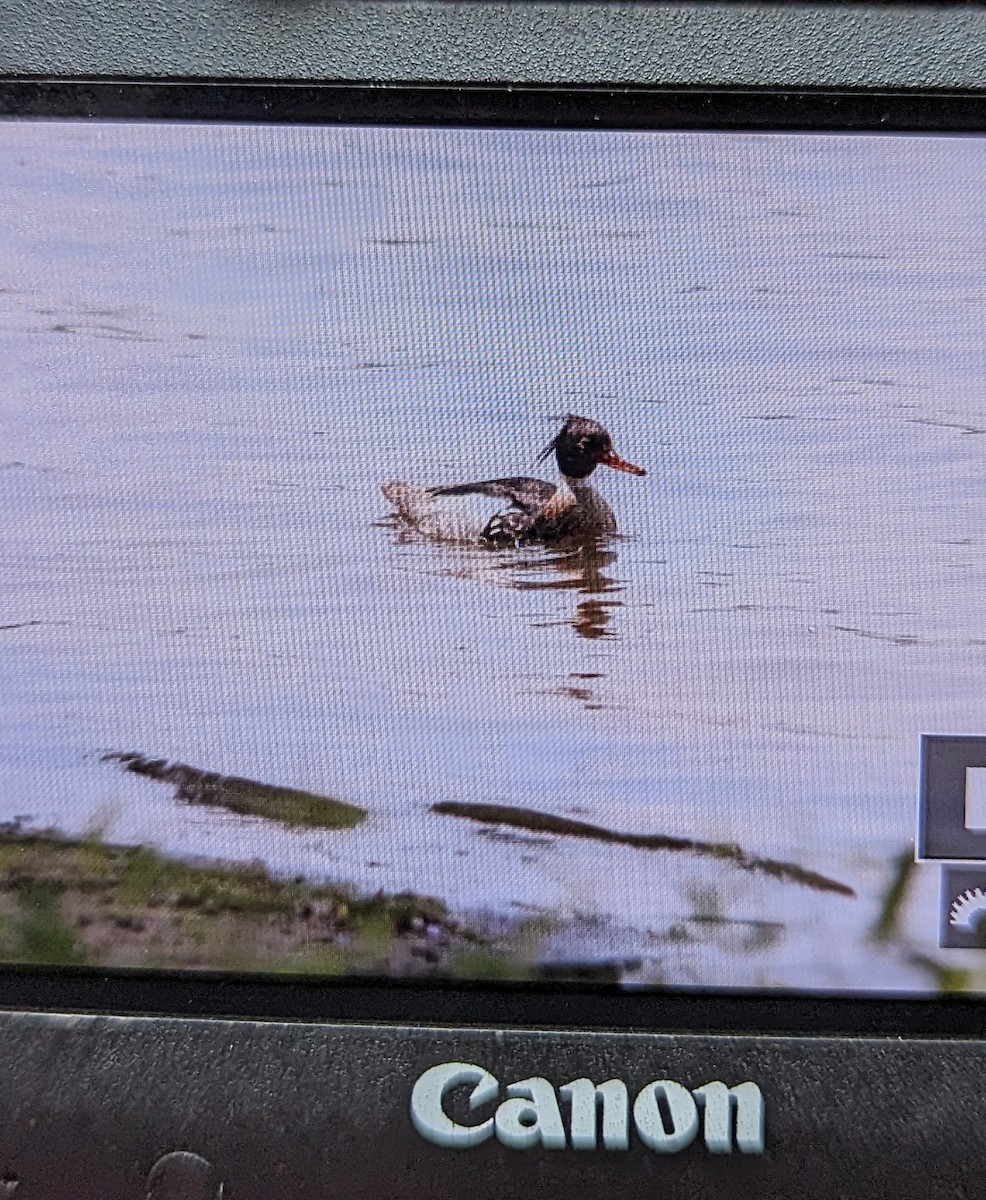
[(794, 47), (216, 1082)]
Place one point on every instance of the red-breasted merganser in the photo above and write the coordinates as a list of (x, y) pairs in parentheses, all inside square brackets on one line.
[(535, 511)]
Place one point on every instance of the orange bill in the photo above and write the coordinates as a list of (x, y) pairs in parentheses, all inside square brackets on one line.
[(620, 464)]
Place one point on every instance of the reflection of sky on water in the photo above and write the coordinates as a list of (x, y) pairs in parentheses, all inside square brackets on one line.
[(220, 341)]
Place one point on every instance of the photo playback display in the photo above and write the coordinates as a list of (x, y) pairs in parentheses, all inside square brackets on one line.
[(492, 555)]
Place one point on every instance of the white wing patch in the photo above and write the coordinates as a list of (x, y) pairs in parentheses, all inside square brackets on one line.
[(444, 518)]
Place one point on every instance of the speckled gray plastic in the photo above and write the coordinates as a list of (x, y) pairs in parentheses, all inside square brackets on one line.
[(121, 1108), (435, 40)]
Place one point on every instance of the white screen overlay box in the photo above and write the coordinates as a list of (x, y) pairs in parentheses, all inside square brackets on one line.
[(975, 798)]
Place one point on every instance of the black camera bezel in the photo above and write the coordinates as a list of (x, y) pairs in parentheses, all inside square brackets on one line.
[(435, 1002), (539, 106)]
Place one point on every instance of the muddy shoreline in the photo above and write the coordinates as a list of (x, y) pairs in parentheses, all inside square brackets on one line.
[(82, 901), (85, 902)]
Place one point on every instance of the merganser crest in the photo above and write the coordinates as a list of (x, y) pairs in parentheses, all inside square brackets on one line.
[(666, 1116), (535, 511)]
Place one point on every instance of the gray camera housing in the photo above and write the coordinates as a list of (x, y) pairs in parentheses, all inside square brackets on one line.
[(522, 41)]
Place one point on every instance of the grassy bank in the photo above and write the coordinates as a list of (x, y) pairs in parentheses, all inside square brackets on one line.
[(85, 902), (82, 901)]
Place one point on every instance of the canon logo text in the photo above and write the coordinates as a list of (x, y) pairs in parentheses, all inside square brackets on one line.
[(665, 1115)]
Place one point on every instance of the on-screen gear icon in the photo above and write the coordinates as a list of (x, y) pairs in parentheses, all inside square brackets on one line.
[(967, 908), (962, 907)]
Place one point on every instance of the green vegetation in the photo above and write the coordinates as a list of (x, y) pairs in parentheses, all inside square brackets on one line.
[(38, 933), (82, 901), (889, 931), (489, 964), (887, 925), (950, 981), (67, 901), (514, 957), (289, 806)]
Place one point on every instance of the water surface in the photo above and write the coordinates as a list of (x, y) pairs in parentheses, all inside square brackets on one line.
[(218, 341)]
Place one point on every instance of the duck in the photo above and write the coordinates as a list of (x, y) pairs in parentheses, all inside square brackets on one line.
[(527, 511)]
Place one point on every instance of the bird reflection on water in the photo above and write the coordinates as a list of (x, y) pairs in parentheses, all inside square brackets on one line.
[(583, 568)]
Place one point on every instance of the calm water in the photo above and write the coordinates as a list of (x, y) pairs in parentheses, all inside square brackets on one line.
[(217, 342)]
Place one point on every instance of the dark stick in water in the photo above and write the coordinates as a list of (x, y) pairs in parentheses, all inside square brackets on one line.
[(539, 822), (290, 806)]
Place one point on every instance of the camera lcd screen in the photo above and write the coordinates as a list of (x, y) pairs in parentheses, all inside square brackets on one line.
[(494, 554)]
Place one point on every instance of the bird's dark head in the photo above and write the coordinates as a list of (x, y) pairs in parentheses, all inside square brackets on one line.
[(581, 445)]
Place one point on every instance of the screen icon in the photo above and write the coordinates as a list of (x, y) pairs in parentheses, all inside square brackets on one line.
[(975, 799), (952, 818), (963, 908)]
